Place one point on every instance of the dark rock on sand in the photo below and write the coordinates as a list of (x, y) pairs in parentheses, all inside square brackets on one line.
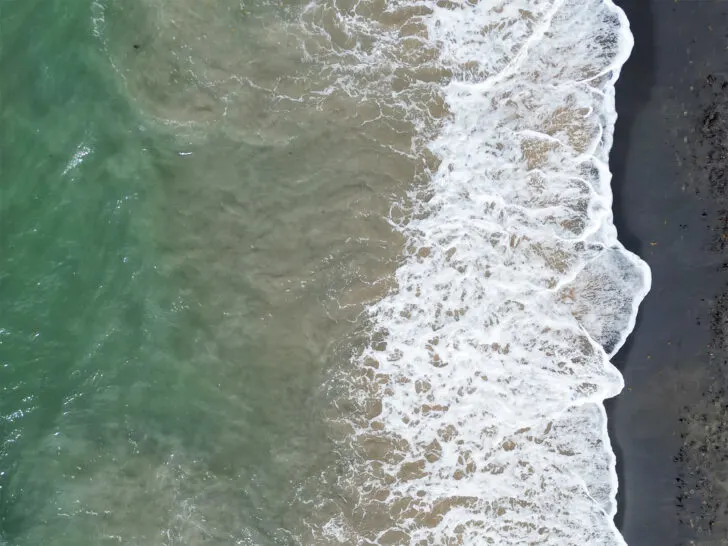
[(670, 164), (702, 479)]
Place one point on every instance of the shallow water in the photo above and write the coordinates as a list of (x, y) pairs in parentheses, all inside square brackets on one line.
[(303, 273)]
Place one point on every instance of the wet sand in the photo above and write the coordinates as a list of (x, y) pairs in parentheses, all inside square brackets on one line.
[(670, 162)]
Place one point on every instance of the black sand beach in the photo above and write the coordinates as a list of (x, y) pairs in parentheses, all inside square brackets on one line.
[(670, 162)]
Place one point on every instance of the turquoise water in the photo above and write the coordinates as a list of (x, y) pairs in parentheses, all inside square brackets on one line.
[(142, 400), (190, 230), (76, 279)]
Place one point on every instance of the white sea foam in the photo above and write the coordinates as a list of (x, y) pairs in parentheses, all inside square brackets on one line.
[(489, 364)]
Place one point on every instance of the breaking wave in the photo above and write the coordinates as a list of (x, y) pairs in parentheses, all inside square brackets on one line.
[(478, 411)]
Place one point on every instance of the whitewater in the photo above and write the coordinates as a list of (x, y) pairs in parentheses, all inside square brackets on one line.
[(483, 383)]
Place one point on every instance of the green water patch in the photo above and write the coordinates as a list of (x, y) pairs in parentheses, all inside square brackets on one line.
[(154, 390), (75, 276)]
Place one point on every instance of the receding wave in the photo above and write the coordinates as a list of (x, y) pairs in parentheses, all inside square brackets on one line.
[(478, 415)]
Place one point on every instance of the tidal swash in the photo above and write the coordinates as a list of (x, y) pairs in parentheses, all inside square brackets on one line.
[(337, 272)]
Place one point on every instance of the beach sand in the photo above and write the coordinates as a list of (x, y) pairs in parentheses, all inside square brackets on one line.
[(669, 426)]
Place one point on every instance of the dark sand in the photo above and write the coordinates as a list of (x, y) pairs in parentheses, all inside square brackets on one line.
[(670, 161)]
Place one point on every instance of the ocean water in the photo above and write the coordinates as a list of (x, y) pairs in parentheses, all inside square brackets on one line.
[(327, 272)]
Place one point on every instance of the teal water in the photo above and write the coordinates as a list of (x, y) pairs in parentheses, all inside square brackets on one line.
[(76, 278), (189, 233), (124, 418)]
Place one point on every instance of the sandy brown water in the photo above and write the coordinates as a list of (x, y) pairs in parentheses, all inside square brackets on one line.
[(279, 162)]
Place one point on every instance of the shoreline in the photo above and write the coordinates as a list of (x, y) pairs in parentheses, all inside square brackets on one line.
[(669, 427)]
